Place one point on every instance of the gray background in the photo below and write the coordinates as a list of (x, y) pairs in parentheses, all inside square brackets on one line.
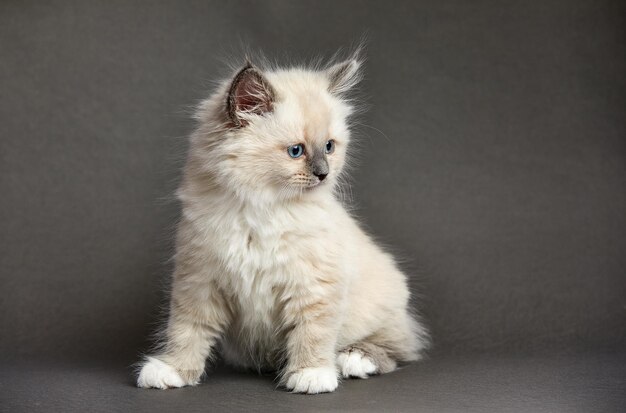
[(492, 162)]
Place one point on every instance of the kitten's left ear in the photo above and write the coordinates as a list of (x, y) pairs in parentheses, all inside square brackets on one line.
[(345, 75), (250, 94)]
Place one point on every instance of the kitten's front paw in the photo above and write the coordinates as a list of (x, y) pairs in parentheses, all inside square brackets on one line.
[(313, 380), (159, 375)]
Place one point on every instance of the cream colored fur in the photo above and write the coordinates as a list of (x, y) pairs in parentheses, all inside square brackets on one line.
[(270, 268)]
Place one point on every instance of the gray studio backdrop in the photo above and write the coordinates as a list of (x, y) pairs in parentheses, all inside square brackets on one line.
[(492, 161)]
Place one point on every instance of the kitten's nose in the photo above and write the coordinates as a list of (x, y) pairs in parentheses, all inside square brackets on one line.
[(319, 166), (321, 176)]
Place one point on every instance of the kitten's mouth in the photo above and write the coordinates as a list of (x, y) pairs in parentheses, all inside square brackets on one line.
[(309, 184), (314, 185)]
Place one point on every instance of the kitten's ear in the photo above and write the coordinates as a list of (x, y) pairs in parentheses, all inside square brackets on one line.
[(250, 94), (345, 75)]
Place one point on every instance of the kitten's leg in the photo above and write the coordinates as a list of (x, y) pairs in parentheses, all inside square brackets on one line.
[(400, 341), (311, 345), (403, 337), (198, 316)]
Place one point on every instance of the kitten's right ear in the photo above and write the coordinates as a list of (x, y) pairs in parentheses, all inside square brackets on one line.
[(345, 75), (250, 94)]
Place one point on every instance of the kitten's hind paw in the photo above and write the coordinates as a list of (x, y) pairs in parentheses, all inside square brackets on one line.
[(354, 363), (313, 380), (159, 375)]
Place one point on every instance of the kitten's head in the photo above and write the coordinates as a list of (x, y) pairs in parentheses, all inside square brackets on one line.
[(278, 134)]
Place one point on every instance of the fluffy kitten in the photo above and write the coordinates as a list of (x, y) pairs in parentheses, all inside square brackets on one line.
[(271, 271)]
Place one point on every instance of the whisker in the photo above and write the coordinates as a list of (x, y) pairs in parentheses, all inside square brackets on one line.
[(375, 129)]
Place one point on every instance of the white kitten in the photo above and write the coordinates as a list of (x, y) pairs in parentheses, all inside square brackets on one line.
[(269, 265)]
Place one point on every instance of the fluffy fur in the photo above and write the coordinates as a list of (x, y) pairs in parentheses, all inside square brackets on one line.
[(271, 271)]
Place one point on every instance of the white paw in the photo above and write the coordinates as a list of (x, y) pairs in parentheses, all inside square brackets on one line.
[(159, 375), (355, 364), (313, 380)]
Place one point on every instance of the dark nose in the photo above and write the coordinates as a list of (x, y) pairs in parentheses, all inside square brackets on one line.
[(321, 176), (319, 165)]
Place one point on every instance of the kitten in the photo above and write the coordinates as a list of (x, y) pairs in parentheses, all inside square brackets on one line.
[(270, 267)]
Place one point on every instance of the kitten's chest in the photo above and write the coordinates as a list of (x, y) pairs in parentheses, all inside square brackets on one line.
[(260, 249), (264, 254), (255, 250)]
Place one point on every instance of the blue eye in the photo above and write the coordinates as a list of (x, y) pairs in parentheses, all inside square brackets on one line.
[(330, 146), (295, 151)]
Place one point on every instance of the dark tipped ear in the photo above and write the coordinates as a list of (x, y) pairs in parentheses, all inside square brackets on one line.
[(249, 94), (344, 76)]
